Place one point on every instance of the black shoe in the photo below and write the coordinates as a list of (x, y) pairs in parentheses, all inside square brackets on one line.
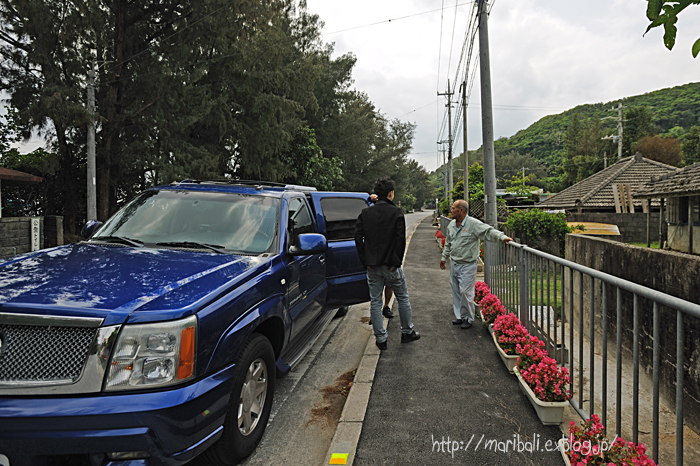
[(386, 312), (407, 337), (466, 325), (382, 346), (457, 322)]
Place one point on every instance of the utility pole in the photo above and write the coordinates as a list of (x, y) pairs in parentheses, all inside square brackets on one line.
[(619, 131), (464, 140), (91, 172), (444, 168), (617, 138), (490, 211), (449, 137), (605, 160)]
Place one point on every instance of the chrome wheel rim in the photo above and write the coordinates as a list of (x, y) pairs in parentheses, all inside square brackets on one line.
[(253, 394)]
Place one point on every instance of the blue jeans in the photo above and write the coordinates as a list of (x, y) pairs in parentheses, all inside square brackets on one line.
[(377, 278), (462, 281)]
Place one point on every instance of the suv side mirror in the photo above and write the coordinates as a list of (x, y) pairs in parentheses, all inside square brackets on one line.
[(90, 228), (309, 243)]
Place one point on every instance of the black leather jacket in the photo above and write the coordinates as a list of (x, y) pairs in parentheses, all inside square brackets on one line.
[(380, 235)]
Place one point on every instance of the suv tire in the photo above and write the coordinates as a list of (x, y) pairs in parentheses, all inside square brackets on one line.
[(251, 395)]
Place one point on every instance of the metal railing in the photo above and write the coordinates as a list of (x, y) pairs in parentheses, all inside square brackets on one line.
[(542, 288)]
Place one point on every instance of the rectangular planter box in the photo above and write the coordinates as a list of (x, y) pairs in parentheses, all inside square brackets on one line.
[(510, 360), (490, 326), (549, 412)]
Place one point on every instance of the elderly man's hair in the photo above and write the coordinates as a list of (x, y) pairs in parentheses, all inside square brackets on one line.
[(462, 204), (383, 187)]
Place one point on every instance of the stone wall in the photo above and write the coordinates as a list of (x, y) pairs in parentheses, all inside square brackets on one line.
[(633, 227), (15, 234), (669, 272)]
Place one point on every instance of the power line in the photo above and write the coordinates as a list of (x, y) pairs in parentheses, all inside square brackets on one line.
[(454, 27), (419, 108), (397, 19)]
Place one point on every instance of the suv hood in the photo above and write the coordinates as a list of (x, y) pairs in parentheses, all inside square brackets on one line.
[(111, 282)]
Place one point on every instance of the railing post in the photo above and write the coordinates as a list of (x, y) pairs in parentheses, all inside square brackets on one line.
[(487, 264), (524, 281)]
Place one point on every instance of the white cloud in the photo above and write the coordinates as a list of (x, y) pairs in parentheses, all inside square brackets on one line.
[(549, 54)]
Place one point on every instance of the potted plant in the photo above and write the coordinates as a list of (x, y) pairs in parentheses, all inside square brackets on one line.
[(440, 238), (508, 332), (588, 444), (543, 382), (491, 308), (481, 289)]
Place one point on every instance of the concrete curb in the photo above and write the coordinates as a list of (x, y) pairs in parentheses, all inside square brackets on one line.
[(347, 433)]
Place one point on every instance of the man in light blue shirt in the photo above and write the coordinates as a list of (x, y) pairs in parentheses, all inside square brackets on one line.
[(462, 248)]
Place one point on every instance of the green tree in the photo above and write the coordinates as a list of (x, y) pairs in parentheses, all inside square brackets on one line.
[(43, 47), (307, 164), (513, 163), (521, 186), (582, 150), (665, 13), (187, 89), (691, 146), (637, 125), (664, 150)]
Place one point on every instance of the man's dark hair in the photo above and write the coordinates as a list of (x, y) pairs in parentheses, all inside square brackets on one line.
[(383, 187)]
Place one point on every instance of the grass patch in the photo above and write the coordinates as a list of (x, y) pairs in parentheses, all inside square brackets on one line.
[(654, 244)]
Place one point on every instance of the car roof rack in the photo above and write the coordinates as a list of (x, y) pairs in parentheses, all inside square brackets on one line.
[(256, 183)]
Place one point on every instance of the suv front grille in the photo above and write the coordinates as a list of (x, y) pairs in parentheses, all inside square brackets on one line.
[(33, 353)]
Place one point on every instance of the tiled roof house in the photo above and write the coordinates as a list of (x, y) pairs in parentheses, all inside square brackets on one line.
[(681, 190), (596, 192)]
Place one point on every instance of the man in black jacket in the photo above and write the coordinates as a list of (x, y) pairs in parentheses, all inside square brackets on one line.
[(380, 237)]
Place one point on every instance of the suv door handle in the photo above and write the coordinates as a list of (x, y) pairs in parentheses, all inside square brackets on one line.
[(322, 260)]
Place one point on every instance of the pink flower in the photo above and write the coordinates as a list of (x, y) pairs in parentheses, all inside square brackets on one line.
[(620, 452), (491, 307), (481, 289), (510, 333)]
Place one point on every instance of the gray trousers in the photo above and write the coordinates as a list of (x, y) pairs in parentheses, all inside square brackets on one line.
[(462, 281)]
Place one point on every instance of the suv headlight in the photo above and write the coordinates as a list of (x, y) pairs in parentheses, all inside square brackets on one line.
[(153, 355)]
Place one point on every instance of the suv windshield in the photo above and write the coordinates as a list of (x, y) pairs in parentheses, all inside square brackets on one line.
[(237, 223)]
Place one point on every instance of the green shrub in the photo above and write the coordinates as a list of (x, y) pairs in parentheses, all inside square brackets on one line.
[(534, 224)]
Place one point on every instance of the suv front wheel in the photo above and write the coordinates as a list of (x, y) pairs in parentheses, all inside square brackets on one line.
[(250, 404)]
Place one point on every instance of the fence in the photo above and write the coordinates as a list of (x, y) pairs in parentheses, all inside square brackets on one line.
[(547, 293)]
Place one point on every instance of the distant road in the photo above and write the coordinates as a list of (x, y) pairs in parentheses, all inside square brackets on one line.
[(412, 219)]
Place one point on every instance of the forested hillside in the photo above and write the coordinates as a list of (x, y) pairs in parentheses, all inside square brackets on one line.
[(675, 108), (560, 150)]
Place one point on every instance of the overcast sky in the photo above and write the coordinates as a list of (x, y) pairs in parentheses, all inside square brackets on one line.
[(546, 56)]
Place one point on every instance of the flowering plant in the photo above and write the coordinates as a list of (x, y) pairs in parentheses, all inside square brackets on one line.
[(481, 289), (439, 235), (509, 332), (491, 308), (588, 445), (547, 380), (481, 250)]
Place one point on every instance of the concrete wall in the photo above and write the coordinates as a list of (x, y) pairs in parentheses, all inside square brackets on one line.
[(669, 272), (678, 238), (15, 234), (633, 227)]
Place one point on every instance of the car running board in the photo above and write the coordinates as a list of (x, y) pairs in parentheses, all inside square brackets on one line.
[(298, 350)]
